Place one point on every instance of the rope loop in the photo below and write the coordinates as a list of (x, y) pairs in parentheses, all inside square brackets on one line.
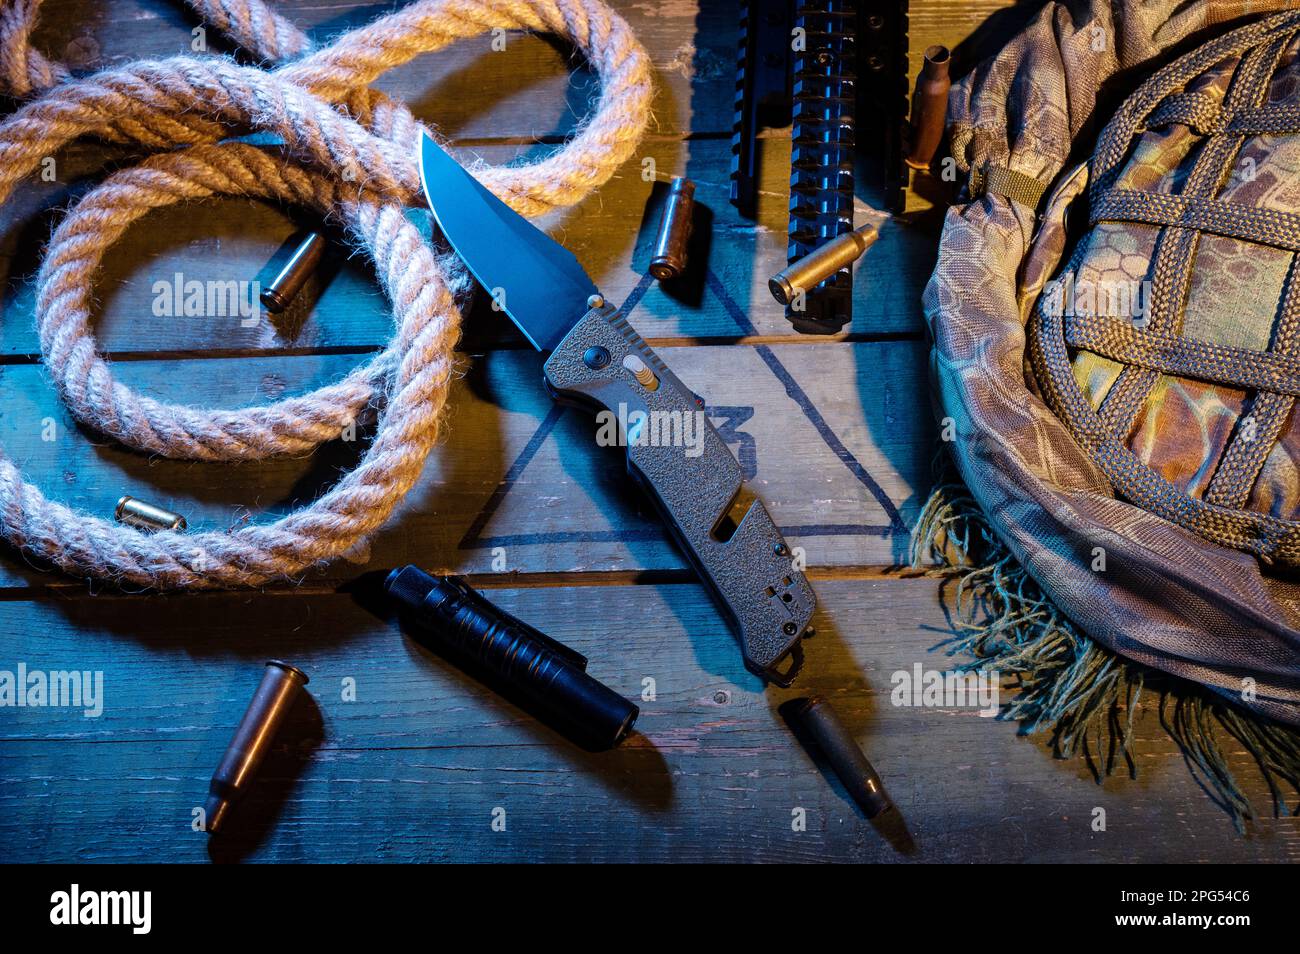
[(348, 153)]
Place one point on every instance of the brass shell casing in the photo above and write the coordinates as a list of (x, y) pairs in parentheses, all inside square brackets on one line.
[(805, 274), (280, 687), (304, 261), (146, 516), (669, 257), (929, 107)]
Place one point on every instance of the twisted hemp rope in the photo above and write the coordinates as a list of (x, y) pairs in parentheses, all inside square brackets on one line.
[(348, 151)]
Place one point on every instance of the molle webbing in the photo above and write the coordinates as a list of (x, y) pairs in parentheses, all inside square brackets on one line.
[(1270, 377)]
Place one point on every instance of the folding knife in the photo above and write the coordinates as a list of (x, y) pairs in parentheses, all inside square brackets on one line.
[(596, 359)]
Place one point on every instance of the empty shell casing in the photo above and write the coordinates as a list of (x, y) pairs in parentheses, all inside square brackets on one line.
[(929, 107), (275, 696), (844, 755), (669, 258), (145, 516), (814, 268), (305, 259)]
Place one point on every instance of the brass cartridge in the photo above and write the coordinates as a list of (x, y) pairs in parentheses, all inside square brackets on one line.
[(305, 259), (145, 516), (669, 258), (805, 274)]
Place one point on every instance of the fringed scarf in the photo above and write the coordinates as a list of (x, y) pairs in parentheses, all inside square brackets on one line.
[(1206, 633)]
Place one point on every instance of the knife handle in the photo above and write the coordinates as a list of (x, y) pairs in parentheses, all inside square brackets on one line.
[(676, 455)]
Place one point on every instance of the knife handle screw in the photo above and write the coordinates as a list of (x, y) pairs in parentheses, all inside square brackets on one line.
[(595, 357), (595, 301), (644, 376)]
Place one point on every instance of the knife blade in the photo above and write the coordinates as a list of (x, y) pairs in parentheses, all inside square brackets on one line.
[(533, 279), (596, 359)]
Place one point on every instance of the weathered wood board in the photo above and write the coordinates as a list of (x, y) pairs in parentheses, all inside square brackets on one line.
[(612, 232), (713, 774), (518, 482), (836, 436), (469, 90)]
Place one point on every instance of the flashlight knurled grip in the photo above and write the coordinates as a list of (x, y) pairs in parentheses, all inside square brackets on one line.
[(550, 674)]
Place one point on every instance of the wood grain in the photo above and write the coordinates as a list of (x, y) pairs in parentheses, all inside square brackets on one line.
[(538, 87), (611, 233), (713, 774), (414, 767), (518, 474)]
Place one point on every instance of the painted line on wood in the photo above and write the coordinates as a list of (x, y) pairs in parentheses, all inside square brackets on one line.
[(475, 540)]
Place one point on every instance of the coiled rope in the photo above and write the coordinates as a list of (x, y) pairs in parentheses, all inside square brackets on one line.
[(348, 152)]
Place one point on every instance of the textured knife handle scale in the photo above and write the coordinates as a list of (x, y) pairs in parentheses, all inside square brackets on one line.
[(750, 572)]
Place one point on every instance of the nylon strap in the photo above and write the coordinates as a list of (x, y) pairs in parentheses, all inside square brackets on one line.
[(1119, 340), (1249, 223), (989, 179)]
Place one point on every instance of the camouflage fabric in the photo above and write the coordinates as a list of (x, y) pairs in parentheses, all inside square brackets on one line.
[(1114, 467), (1179, 310)]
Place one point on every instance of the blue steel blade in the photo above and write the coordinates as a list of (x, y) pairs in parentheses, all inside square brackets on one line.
[(538, 282)]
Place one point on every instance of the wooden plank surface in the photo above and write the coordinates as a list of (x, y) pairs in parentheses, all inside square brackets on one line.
[(611, 233), (836, 436), (534, 87), (518, 473), (713, 773)]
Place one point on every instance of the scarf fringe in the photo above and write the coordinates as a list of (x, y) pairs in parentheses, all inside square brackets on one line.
[(1077, 690)]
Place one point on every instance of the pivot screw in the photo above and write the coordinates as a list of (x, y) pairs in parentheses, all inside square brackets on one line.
[(595, 357)]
